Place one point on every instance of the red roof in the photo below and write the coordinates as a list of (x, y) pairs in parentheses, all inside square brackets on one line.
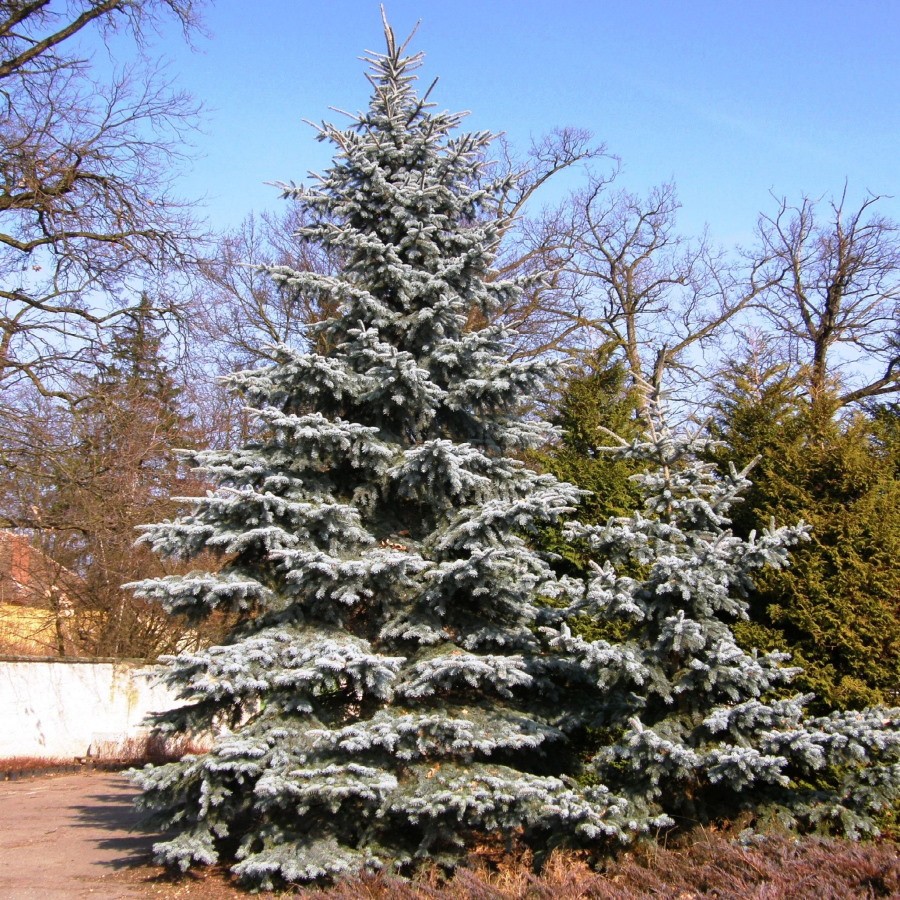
[(28, 577)]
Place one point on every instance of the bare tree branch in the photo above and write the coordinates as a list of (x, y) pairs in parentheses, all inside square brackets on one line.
[(837, 302), (86, 171), (659, 297)]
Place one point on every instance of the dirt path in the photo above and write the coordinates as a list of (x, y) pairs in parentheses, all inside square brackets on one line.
[(69, 836)]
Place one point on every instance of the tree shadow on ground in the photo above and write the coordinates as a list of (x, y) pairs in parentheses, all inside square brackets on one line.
[(111, 814)]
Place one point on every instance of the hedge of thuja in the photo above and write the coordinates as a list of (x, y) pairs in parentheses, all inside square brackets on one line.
[(835, 608)]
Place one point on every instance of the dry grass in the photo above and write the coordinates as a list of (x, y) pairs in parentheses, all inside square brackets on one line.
[(149, 748), (707, 867), (18, 765), (133, 751)]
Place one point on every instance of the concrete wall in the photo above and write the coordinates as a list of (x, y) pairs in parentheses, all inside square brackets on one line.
[(65, 709)]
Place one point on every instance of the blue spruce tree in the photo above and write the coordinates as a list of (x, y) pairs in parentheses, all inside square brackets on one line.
[(389, 691), (694, 727)]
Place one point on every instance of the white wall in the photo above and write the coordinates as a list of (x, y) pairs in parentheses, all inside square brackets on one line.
[(68, 709)]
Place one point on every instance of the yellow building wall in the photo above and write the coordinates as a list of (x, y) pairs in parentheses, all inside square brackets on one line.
[(25, 631)]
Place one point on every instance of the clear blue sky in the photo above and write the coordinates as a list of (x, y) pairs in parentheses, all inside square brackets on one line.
[(730, 100)]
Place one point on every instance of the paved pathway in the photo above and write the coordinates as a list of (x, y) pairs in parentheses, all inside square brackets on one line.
[(69, 836)]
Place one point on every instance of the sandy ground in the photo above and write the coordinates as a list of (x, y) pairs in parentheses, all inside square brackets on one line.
[(70, 836)]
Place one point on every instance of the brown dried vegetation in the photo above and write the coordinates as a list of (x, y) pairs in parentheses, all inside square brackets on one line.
[(132, 751), (708, 866)]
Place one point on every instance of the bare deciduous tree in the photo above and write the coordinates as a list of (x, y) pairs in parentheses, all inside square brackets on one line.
[(661, 299), (86, 476), (834, 295), (244, 310), (86, 171), (549, 316)]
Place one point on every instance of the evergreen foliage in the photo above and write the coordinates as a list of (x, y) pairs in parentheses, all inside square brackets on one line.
[(388, 693), (837, 608), (595, 400), (694, 726), (136, 369), (402, 678)]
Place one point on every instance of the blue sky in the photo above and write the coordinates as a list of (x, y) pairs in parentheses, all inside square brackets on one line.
[(730, 100)]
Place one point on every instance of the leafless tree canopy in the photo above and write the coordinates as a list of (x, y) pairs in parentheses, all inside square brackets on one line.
[(244, 310), (662, 299), (547, 317), (86, 170), (834, 296)]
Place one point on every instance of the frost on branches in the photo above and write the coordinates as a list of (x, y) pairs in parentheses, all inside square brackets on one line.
[(389, 691), (690, 730)]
